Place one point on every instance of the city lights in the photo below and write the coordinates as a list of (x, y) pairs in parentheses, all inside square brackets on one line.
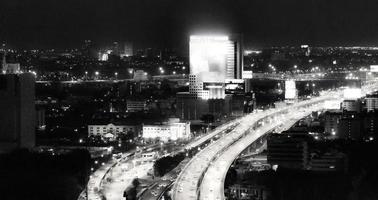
[(153, 100)]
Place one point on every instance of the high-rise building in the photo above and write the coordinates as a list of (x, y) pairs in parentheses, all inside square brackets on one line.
[(9, 68), (213, 61), (17, 114), (128, 50), (371, 125), (350, 127), (288, 150), (351, 105), (372, 102), (331, 124)]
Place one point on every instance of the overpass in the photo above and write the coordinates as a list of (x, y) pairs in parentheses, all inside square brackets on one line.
[(312, 76), (203, 177)]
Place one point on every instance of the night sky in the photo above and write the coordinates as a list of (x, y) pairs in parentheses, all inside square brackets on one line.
[(167, 23)]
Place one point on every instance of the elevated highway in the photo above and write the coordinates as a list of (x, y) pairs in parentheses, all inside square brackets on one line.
[(203, 176)]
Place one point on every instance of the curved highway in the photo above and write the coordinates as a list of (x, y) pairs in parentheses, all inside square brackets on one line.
[(203, 177)]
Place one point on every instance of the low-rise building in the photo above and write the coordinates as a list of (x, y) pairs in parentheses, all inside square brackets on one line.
[(328, 162), (244, 192), (169, 131), (111, 130), (135, 106)]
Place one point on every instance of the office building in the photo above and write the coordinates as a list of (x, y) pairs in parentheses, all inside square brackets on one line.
[(17, 111), (135, 106), (350, 127), (371, 126), (112, 130), (288, 151), (351, 105), (372, 102), (127, 50), (9, 68), (169, 131), (331, 124), (140, 75), (40, 118), (246, 192), (213, 61), (189, 107), (328, 162)]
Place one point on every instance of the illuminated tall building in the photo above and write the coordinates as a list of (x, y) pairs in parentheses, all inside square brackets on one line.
[(216, 86), (214, 60)]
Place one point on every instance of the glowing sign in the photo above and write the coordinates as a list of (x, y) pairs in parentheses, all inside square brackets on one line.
[(332, 104), (352, 93), (247, 74), (208, 57), (374, 68), (290, 90), (233, 86)]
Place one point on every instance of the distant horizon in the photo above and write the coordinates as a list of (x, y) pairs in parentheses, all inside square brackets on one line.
[(168, 23)]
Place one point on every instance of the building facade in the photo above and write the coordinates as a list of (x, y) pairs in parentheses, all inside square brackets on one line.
[(372, 103), (213, 60), (17, 105), (170, 131), (288, 151), (111, 130), (135, 106)]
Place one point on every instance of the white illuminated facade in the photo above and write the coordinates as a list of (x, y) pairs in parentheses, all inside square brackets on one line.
[(332, 105), (110, 131), (352, 93), (171, 131), (290, 90), (213, 59), (373, 68)]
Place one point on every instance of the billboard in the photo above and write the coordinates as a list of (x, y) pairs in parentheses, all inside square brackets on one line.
[(352, 93), (290, 90), (332, 104), (247, 74), (208, 57), (374, 68), (234, 86)]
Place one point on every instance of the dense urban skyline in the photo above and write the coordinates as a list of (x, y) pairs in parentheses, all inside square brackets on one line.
[(65, 24), (188, 100)]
